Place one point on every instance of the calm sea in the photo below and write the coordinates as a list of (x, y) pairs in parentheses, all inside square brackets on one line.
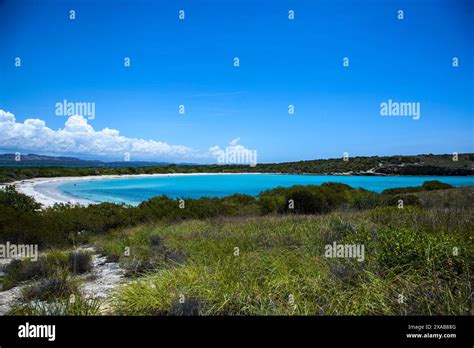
[(136, 190)]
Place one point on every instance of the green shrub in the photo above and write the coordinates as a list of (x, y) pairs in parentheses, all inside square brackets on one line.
[(47, 265), (80, 262), (427, 186), (18, 271), (336, 186), (54, 287), (157, 208), (80, 306), (300, 201), (270, 203), (18, 201), (363, 199), (436, 185), (310, 199)]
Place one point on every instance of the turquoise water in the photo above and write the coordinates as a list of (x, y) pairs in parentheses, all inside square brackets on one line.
[(136, 190)]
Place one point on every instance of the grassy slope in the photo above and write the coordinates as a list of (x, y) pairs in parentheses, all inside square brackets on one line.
[(281, 268), (420, 252)]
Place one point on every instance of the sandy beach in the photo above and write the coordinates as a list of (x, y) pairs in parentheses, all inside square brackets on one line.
[(45, 190)]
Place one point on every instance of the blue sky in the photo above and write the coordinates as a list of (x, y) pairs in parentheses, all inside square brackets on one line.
[(282, 62)]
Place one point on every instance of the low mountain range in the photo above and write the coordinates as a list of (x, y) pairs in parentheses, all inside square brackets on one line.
[(43, 160)]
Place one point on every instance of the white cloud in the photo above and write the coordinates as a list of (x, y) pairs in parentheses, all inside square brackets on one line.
[(233, 154), (78, 137)]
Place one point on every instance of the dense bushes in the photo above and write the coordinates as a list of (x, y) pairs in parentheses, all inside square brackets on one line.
[(163, 207), (436, 185), (313, 199), (20, 203), (18, 271), (63, 225), (301, 201), (362, 199), (427, 186)]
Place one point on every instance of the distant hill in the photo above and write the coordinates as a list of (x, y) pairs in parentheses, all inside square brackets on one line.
[(425, 164), (11, 158), (43, 160)]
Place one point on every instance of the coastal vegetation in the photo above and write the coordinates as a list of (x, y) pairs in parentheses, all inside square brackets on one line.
[(242, 255), (22, 220), (462, 164), (280, 267)]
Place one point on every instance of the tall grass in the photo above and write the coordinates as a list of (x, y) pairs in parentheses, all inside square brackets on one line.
[(221, 260), (280, 268), (79, 307)]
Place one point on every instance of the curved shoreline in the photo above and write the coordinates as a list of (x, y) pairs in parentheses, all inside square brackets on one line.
[(45, 190)]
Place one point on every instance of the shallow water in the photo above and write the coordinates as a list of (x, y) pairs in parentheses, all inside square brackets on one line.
[(135, 190)]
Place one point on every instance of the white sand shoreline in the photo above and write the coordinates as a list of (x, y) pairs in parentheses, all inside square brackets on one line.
[(45, 190)]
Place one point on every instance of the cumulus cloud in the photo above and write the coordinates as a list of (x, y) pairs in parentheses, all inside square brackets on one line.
[(233, 154), (78, 137)]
